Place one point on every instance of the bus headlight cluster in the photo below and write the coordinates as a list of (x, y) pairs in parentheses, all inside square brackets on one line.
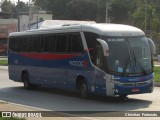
[(134, 83), (149, 81), (118, 83)]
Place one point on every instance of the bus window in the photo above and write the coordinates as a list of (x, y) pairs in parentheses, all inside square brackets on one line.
[(33, 43), (40, 44), (75, 43), (61, 43), (13, 44), (52, 44), (99, 56), (47, 43), (91, 39), (25, 44)]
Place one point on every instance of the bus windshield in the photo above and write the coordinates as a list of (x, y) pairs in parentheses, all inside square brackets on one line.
[(129, 56)]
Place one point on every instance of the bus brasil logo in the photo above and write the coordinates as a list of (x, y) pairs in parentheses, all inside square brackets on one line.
[(79, 63)]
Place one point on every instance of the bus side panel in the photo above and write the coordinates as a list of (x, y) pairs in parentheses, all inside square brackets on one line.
[(60, 73), (13, 68), (14, 73)]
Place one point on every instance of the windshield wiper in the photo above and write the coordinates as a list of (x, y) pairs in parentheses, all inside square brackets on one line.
[(126, 66), (130, 60), (135, 63), (134, 58), (142, 68)]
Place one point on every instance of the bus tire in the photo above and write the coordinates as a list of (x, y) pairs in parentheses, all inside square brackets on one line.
[(83, 90), (26, 82), (123, 97)]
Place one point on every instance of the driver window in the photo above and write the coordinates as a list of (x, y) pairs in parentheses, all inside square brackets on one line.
[(91, 39), (99, 56)]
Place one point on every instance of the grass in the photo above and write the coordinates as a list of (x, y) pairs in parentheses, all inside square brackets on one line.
[(2, 102), (3, 62), (157, 74), (12, 118)]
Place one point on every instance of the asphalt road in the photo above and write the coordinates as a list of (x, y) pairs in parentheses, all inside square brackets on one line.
[(56, 100)]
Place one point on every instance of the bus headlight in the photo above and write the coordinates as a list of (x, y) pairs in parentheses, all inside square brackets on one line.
[(118, 83), (149, 81)]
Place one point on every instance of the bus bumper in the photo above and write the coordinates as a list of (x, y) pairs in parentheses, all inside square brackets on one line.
[(127, 90)]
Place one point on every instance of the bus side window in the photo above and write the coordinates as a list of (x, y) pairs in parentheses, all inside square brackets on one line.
[(61, 43), (13, 44), (25, 44), (91, 39), (52, 44), (75, 43), (99, 56), (47, 43)]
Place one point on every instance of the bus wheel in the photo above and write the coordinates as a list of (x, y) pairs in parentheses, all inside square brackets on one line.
[(84, 90), (26, 83), (123, 97)]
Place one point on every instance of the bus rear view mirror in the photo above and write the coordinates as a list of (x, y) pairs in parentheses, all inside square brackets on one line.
[(104, 47), (152, 46)]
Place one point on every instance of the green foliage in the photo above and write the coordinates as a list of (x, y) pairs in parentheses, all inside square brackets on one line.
[(144, 14), (70, 9), (7, 6), (120, 10), (3, 62), (157, 74), (81, 10), (147, 17), (101, 10), (12, 118), (23, 7)]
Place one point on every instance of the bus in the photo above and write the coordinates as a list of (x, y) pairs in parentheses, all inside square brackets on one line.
[(100, 59)]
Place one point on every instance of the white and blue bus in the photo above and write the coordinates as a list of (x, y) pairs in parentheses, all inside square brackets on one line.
[(103, 59)]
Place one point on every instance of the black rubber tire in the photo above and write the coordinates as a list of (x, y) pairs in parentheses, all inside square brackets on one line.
[(123, 97), (84, 90), (26, 82)]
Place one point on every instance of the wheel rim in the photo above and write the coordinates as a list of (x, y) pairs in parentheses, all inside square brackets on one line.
[(25, 81), (84, 90)]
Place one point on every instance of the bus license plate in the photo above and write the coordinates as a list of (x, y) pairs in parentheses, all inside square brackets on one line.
[(135, 90)]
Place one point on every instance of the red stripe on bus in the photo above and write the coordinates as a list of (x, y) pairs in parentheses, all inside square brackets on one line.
[(49, 56)]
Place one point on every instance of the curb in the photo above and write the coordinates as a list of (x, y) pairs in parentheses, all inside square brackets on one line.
[(4, 67), (157, 84), (3, 56)]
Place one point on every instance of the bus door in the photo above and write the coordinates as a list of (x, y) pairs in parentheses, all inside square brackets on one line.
[(101, 54)]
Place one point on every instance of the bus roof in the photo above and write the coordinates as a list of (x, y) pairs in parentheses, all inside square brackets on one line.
[(101, 29)]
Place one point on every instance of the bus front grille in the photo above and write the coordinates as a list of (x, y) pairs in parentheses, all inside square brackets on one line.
[(136, 84)]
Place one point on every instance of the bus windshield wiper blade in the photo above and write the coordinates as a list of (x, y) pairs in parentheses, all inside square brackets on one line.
[(134, 58), (143, 70), (125, 66)]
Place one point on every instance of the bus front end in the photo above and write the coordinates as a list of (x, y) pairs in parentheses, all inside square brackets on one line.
[(124, 86), (128, 66)]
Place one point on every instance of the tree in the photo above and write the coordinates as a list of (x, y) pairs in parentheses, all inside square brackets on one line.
[(22, 7), (70, 9), (147, 17), (7, 6), (133, 12), (58, 7), (101, 10), (81, 10), (121, 10)]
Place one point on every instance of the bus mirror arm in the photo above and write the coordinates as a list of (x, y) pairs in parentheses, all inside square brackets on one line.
[(104, 47), (152, 46)]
